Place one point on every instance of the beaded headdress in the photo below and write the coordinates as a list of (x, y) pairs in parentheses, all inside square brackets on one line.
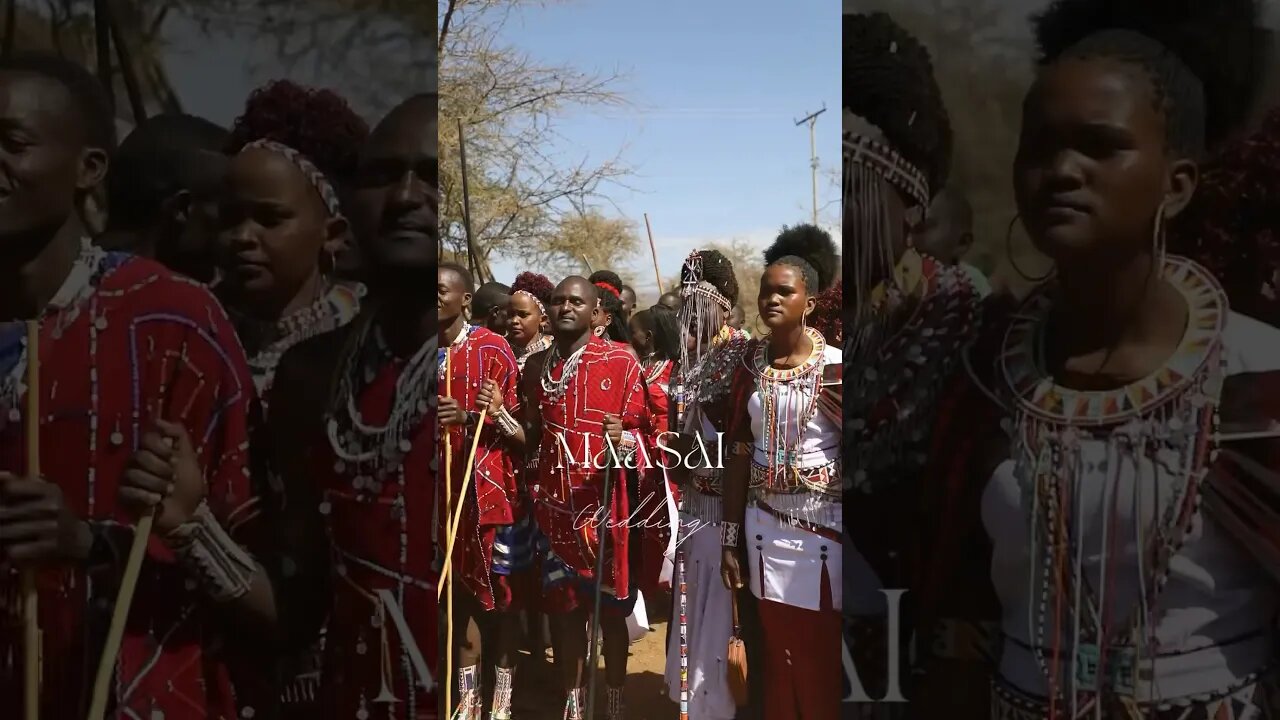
[(702, 310), (871, 170), (313, 174), (534, 298)]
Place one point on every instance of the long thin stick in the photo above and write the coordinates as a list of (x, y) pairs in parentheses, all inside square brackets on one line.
[(653, 251), (31, 650), (606, 497), (447, 680), (462, 497), (466, 204), (115, 632)]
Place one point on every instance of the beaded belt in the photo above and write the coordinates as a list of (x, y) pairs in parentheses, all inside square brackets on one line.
[(706, 480), (704, 507), (790, 519), (1254, 697), (823, 479)]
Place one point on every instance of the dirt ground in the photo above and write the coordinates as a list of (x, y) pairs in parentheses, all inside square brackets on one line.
[(537, 695)]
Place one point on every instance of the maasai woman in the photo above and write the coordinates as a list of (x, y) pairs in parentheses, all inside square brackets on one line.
[(367, 450), (910, 316), (786, 445), (656, 339), (609, 321), (1118, 596), (282, 224), (711, 351), (530, 294)]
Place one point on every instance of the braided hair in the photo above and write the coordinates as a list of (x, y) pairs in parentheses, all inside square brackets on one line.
[(1203, 59), (809, 249), (609, 289), (888, 80)]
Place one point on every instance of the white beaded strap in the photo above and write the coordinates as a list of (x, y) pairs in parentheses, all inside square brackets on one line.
[(507, 424), (313, 174), (729, 534), (223, 568)]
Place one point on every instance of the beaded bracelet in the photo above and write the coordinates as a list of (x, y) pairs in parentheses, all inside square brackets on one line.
[(729, 534), (223, 569), (507, 424)]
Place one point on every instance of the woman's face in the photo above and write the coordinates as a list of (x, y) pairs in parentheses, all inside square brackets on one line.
[(524, 319), (1092, 167), (600, 317), (274, 228), (783, 300)]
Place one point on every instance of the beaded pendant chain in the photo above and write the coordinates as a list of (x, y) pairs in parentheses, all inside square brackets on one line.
[(775, 398)]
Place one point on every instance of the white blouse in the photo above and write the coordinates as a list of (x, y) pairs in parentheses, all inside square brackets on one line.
[(821, 440), (1212, 622)]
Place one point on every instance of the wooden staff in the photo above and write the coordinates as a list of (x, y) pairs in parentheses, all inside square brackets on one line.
[(448, 484), (462, 496), (654, 252), (31, 639)]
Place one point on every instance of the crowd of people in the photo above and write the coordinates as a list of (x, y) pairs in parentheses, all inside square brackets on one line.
[(1074, 486), (232, 338), (662, 453)]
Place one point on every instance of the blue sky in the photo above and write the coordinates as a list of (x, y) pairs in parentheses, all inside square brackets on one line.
[(715, 86)]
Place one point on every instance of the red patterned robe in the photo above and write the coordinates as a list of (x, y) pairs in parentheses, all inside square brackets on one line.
[(477, 355), (608, 381), (135, 344), (658, 493)]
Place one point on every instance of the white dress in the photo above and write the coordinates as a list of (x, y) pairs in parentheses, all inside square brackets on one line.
[(794, 559), (1213, 621)]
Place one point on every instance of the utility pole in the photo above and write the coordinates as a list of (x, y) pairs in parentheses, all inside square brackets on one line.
[(812, 120)]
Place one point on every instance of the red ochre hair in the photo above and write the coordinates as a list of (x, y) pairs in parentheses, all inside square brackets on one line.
[(535, 284), (318, 123), (606, 286)]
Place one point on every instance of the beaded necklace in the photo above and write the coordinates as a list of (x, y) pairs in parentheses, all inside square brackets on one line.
[(554, 390), (777, 387), (371, 453), (542, 342), (337, 307), (1169, 418)]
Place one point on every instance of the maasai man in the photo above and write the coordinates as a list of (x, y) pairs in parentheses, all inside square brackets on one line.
[(163, 193), (628, 301), (489, 306), (711, 352), (482, 376), (671, 300), (367, 450), (138, 367), (580, 391)]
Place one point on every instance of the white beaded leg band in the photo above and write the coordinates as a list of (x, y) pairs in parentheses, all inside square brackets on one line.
[(729, 534), (223, 568)]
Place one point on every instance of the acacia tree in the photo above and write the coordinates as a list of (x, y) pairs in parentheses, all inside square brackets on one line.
[(525, 198)]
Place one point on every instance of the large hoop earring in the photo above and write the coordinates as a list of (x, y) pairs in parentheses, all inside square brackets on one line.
[(1158, 241), (1008, 251), (759, 332)]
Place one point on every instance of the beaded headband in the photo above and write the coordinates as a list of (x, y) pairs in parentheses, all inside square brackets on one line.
[(862, 148), (532, 297), (693, 284), (313, 174)]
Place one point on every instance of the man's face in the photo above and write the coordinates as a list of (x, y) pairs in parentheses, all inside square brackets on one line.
[(452, 296), (395, 205), (44, 164), (573, 304), (628, 301)]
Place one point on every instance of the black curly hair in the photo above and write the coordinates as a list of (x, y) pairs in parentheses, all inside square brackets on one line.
[(888, 80), (608, 277), (1204, 59), (809, 249), (717, 270)]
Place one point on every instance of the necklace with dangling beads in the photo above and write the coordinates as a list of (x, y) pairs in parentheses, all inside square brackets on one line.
[(710, 378), (770, 382), (1172, 413), (554, 390), (339, 305), (536, 346), (371, 453)]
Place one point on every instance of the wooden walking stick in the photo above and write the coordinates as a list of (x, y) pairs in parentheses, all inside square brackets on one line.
[(124, 595), (32, 659), (448, 484), (462, 496), (606, 496), (654, 252)]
